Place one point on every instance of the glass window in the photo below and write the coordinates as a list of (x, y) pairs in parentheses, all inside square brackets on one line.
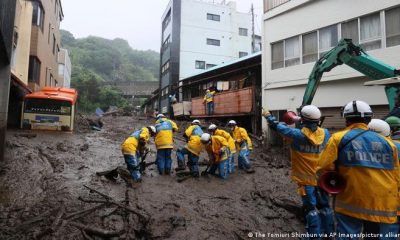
[(47, 106), (166, 20), (243, 31), (54, 44), (350, 30), (370, 31), (214, 42), (243, 54), (328, 38), (38, 15), (34, 70), (277, 55), (166, 43), (292, 51), (208, 65), (165, 68), (392, 17), (213, 17), (200, 64), (310, 47)]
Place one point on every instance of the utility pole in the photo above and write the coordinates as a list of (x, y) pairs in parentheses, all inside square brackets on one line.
[(253, 35)]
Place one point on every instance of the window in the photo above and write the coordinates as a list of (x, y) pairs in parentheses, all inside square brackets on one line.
[(292, 51), (310, 47), (277, 55), (200, 65), (210, 65), (166, 43), (243, 31), (38, 15), (242, 54), (54, 44), (14, 49), (165, 68), (328, 38), (48, 35), (34, 70), (392, 27), (370, 31), (51, 80), (213, 17), (214, 42), (166, 20), (350, 30)]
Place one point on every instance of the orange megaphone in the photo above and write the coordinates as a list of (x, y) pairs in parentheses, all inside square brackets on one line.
[(290, 117), (332, 182)]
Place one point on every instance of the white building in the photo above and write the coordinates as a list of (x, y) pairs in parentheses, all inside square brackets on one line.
[(197, 35), (64, 68), (297, 32)]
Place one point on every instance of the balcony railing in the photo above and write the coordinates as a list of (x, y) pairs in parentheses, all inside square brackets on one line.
[(270, 4)]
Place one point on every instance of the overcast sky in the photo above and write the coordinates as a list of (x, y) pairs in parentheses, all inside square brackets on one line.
[(138, 21)]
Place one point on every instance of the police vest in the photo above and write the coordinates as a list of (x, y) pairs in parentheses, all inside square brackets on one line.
[(303, 145), (164, 125)]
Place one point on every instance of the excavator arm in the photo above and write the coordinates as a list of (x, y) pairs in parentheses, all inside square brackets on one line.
[(354, 56)]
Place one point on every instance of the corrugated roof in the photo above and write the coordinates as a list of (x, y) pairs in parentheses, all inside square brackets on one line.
[(226, 64)]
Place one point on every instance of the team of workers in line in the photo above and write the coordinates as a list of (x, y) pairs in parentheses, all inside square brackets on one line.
[(219, 145), (367, 161)]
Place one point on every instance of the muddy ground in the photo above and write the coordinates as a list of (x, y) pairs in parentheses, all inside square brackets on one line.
[(43, 193)]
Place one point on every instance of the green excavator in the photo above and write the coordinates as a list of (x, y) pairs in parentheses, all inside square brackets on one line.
[(354, 56)]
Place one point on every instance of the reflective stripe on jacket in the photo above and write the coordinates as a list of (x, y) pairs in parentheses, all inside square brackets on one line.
[(306, 147), (131, 144), (370, 165), (239, 135), (228, 137), (164, 136)]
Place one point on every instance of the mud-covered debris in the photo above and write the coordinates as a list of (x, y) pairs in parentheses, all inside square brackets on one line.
[(178, 221), (26, 135), (84, 147)]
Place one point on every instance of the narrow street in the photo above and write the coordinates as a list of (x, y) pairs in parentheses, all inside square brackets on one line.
[(43, 193)]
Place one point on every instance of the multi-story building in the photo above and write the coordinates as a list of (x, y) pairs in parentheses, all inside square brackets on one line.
[(64, 68), (298, 32), (7, 16), (45, 44), (197, 35)]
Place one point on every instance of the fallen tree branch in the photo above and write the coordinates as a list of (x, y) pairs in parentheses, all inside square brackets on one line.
[(53, 228), (79, 214), (27, 224), (97, 231)]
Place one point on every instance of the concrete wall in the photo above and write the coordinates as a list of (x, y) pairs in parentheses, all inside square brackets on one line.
[(283, 88), (64, 68), (7, 16), (23, 26), (195, 30), (42, 45)]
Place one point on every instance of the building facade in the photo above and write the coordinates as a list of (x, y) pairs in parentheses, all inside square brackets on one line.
[(45, 44), (298, 32), (197, 35), (7, 16), (64, 68)]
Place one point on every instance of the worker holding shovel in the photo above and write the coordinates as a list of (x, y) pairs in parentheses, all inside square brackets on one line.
[(218, 151), (132, 148)]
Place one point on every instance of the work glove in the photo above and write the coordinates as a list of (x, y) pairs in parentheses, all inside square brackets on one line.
[(142, 142), (266, 113)]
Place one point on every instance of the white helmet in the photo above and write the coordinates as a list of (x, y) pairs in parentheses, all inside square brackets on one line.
[(212, 127), (310, 113), (197, 122), (152, 130), (160, 115), (357, 109), (231, 122), (379, 126), (205, 138)]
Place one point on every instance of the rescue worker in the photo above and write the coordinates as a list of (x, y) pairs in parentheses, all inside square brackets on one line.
[(219, 132), (209, 100), (369, 164), (164, 143), (383, 128), (394, 123), (192, 149), (306, 146), (133, 148), (218, 151), (243, 145)]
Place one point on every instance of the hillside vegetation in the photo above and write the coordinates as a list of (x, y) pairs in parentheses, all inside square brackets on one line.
[(97, 63)]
